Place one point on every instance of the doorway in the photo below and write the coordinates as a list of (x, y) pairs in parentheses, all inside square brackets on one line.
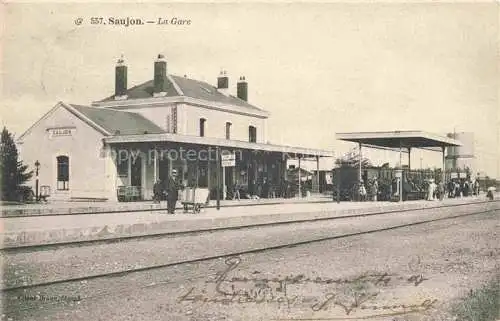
[(203, 174), (228, 176), (163, 170), (136, 172)]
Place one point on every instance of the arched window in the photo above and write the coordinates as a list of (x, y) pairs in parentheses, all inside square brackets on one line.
[(202, 127), (252, 134), (62, 172), (228, 130)]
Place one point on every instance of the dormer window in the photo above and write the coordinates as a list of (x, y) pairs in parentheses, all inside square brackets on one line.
[(202, 127)]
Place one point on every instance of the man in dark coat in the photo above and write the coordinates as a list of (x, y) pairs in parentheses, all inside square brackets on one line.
[(451, 189), (172, 192)]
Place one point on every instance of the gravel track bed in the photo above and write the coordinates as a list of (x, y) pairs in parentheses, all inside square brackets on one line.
[(25, 268), (452, 256)]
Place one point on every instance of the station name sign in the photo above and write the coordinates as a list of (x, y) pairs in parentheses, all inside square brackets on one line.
[(61, 131), (458, 175), (228, 160)]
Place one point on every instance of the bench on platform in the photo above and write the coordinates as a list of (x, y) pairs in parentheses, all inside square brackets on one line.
[(415, 195), (128, 193)]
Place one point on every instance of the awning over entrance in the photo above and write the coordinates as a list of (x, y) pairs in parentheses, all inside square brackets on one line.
[(397, 139), (292, 152)]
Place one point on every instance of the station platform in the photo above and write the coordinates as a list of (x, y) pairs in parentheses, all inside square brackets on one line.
[(79, 207), (39, 230)]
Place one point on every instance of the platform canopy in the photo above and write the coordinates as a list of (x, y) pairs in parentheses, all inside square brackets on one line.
[(399, 139), (292, 152)]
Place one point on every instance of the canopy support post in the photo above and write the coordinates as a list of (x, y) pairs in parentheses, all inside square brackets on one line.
[(224, 183), (129, 170), (317, 174), (360, 163), (155, 166), (409, 158), (300, 188), (401, 166), (218, 160), (338, 171), (443, 174), (360, 181)]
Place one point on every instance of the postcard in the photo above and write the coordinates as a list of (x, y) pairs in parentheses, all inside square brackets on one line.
[(333, 160)]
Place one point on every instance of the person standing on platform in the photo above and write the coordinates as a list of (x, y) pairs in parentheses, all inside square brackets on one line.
[(395, 187), (441, 190), (265, 189), (258, 190), (451, 188), (286, 189), (456, 190), (430, 190), (157, 191), (362, 191), (490, 191), (374, 189), (172, 192), (236, 192)]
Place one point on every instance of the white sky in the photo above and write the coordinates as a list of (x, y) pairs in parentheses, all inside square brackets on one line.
[(318, 68)]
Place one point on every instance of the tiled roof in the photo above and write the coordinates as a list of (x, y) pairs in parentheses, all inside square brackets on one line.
[(189, 88), (119, 122), (145, 90), (202, 90)]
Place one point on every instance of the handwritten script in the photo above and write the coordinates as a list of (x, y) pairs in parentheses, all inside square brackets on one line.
[(347, 295)]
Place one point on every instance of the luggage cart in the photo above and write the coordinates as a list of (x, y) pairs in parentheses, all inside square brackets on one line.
[(194, 198), (44, 193)]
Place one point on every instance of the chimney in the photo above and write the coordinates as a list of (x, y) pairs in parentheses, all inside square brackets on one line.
[(160, 77), (223, 83), (120, 79), (242, 89)]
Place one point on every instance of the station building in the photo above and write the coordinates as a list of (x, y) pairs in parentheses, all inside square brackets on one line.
[(127, 141)]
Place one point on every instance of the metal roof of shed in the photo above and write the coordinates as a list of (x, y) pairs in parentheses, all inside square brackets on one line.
[(396, 139)]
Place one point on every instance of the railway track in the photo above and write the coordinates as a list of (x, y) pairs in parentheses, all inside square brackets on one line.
[(54, 246), (28, 287)]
